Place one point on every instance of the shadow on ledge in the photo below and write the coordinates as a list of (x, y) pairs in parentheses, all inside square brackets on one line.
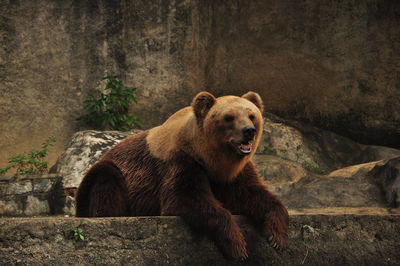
[(313, 240)]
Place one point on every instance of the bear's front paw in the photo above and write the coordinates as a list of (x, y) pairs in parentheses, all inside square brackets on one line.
[(234, 249), (276, 227)]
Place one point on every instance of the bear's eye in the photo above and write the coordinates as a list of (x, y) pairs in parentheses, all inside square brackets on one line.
[(251, 117), (229, 118)]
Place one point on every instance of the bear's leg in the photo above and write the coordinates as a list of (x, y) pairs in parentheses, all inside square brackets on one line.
[(249, 196), (186, 192), (102, 192)]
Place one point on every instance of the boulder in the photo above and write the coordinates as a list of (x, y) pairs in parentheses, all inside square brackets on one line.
[(83, 150), (317, 150), (373, 184)]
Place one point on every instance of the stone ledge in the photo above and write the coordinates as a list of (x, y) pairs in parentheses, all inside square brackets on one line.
[(313, 240), (27, 177)]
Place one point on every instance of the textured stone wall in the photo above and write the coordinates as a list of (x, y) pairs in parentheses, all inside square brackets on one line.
[(335, 64), (31, 195)]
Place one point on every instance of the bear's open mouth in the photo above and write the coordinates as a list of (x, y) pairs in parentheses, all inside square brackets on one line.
[(243, 148)]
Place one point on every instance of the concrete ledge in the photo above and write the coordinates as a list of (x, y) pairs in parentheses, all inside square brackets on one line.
[(313, 240)]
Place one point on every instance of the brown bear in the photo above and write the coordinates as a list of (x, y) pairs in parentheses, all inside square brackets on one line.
[(196, 165)]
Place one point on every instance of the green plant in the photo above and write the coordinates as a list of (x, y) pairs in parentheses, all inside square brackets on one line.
[(110, 109), (31, 162), (78, 233)]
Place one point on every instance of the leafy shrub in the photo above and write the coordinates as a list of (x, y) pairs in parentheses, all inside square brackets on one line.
[(31, 162), (110, 109)]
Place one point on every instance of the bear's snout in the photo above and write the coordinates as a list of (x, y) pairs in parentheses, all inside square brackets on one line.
[(249, 132)]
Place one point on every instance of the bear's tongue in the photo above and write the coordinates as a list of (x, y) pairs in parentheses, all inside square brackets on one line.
[(245, 148)]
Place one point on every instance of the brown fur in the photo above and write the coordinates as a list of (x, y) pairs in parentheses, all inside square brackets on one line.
[(187, 167)]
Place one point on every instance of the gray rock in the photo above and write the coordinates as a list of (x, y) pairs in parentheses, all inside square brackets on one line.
[(36, 206), (287, 142), (373, 184), (317, 150), (83, 150), (313, 168), (42, 185), (279, 174), (19, 187), (9, 206)]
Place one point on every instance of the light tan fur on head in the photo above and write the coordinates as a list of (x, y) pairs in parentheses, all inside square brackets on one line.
[(206, 131)]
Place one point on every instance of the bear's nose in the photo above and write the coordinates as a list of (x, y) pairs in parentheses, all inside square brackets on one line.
[(249, 132)]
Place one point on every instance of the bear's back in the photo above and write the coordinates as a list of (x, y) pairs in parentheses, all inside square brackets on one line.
[(142, 172)]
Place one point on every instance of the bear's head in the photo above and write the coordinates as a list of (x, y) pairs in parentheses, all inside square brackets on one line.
[(231, 125)]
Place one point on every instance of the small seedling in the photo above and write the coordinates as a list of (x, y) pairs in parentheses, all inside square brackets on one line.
[(78, 233), (308, 233), (308, 228)]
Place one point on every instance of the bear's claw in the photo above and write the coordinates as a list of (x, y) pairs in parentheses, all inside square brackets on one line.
[(245, 257), (272, 243), (235, 249)]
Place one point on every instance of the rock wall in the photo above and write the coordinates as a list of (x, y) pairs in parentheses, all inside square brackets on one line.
[(31, 195), (313, 240), (335, 64)]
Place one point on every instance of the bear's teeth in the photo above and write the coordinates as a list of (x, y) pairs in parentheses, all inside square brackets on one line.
[(245, 147)]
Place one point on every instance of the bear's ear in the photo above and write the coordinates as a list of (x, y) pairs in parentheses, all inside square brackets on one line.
[(202, 103), (254, 98)]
